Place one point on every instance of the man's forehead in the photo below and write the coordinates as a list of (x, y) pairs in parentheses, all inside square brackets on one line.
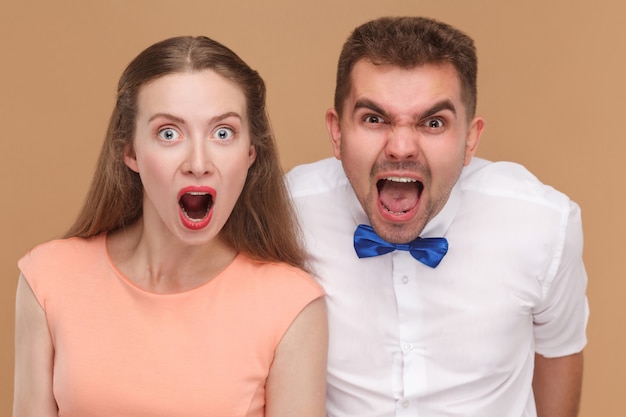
[(385, 86)]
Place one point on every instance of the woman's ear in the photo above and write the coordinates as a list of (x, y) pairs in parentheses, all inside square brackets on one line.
[(251, 156), (130, 159)]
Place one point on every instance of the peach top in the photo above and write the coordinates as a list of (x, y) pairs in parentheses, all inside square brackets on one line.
[(122, 351)]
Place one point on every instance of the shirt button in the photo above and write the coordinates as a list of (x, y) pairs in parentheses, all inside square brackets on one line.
[(407, 347), (405, 279), (405, 403)]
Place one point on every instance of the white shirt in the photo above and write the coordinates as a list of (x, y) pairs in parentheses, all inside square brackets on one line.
[(460, 339)]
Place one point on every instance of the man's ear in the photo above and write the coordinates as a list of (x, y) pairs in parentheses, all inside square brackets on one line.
[(473, 137), (334, 130), (130, 159)]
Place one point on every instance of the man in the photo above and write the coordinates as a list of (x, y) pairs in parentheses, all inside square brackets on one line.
[(496, 327)]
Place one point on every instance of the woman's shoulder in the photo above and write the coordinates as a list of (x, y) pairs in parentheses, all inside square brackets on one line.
[(59, 250), (50, 268), (273, 293), (60, 255), (280, 277)]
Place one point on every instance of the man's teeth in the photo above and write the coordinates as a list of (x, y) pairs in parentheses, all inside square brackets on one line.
[(401, 179), (404, 180), (393, 212)]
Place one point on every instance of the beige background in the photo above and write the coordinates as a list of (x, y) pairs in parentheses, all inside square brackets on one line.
[(551, 87)]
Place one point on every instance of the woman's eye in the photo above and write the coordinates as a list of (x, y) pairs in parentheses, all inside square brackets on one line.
[(373, 119), (168, 134), (434, 123), (224, 133)]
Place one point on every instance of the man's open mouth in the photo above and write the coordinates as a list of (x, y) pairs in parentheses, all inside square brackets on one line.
[(398, 195), (196, 205)]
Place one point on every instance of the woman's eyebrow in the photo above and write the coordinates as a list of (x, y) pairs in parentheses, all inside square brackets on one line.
[(167, 116), (179, 120)]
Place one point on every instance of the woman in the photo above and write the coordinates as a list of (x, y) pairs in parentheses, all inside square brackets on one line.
[(179, 290)]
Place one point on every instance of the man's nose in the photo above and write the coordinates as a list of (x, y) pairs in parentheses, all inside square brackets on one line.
[(402, 143)]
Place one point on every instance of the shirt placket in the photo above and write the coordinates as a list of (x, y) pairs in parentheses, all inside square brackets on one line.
[(409, 372)]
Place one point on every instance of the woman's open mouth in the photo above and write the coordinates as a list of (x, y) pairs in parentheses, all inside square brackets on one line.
[(195, 206)]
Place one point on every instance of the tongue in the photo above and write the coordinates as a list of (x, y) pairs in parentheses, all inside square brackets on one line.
[(195, 206), (398, 197)]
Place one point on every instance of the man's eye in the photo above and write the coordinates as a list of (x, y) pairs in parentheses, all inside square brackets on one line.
[(168, 134), (434, 123), (224, 133), (373, 119)]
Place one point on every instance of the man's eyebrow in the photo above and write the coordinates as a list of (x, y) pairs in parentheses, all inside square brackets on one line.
[(437, 107), (369, 104)]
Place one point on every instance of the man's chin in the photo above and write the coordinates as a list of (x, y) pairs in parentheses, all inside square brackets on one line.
[(397, 232)]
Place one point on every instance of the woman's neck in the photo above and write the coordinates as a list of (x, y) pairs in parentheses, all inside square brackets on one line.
[(166, 266)]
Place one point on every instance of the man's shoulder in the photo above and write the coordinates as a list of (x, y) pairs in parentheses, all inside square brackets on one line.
[(316, 178), (509, 180)]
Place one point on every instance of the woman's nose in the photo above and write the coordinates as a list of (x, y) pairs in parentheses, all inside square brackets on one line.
[(198, 161)]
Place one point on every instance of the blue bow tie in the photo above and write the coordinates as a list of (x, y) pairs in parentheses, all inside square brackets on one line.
[(429, 251)]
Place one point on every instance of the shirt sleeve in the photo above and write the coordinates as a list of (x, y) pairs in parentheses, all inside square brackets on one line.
[(560, 320)]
